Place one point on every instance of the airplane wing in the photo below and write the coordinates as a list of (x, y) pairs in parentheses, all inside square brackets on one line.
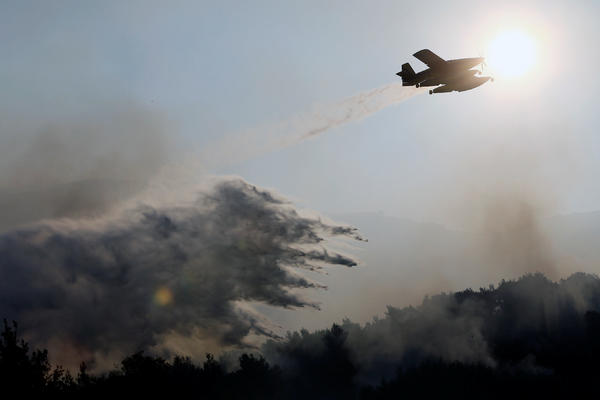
[(429, 58)]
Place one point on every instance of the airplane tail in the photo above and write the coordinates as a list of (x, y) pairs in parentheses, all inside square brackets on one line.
[(406, 74)]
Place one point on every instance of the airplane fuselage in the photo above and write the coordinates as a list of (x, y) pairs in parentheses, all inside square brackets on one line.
[(437, 74)]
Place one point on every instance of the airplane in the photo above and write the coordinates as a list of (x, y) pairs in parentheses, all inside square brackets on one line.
[(453, 75)]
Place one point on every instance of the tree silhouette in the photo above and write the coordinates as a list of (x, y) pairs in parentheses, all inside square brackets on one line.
[(28, 371)]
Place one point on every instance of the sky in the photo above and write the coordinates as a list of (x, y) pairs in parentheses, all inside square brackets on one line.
[(115, 91), (214, 69)]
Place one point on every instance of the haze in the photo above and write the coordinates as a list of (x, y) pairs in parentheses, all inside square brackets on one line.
[(106, 106)]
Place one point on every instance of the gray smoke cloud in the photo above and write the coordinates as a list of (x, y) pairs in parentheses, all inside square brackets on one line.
[(105, 287), (503, 200), (320, 119), (79, 165)]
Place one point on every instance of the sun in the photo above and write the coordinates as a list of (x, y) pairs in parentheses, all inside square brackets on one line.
[(511, 54)]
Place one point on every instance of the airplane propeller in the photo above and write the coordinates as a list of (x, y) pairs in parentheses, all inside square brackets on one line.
[(483, 64)]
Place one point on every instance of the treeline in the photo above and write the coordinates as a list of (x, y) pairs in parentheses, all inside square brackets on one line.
[(525, 338)]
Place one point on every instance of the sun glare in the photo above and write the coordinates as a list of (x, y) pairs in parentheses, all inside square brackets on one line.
[(511, 54)]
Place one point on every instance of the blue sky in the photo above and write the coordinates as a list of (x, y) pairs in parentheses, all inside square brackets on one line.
[(217, 68)]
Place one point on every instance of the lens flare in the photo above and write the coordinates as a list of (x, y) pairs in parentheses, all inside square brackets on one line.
[(163, 296), (511, 54)]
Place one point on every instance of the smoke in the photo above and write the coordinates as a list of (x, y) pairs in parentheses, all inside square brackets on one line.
[(84, 166), (322, 118), (499, 187), (516, 325), (513, 239), (103, 288), (95, 281), (78, 166)]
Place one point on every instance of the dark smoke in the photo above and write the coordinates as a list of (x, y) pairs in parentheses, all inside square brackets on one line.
[(116, 286)]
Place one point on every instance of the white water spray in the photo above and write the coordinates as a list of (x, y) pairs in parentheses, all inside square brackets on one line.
[(320, 119)]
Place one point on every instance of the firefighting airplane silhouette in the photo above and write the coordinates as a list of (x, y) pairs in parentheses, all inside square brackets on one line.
[(453, 75)]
